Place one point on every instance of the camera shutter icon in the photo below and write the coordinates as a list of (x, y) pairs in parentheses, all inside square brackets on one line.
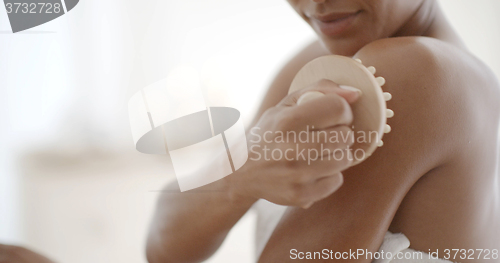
[(205, 144)]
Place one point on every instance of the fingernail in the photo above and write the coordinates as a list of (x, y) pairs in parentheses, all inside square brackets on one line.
[(351, 89)]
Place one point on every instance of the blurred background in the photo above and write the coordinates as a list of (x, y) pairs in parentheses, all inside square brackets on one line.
[(71, 184)]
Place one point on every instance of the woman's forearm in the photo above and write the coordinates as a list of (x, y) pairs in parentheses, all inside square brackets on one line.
[(190, 226)]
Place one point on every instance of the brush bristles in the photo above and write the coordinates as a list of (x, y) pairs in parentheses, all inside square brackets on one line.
[(372, 70), (389, 113), (380, 81), (387, 96)]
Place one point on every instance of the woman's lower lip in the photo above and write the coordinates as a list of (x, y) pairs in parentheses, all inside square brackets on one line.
[(337, 27)]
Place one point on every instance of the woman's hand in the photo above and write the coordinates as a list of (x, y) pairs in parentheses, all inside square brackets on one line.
[(15, 254), (297, 152)]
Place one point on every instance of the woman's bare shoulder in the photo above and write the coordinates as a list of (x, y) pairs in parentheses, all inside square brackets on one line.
[(427, 55), (442, 92)]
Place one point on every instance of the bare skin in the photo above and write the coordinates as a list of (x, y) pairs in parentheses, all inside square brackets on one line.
[(294, 183), (16, 254), (436, 178)]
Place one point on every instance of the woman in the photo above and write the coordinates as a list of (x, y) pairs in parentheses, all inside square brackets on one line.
[(435, 180)]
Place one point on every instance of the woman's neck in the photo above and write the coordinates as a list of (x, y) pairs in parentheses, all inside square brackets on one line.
[(430, 21)]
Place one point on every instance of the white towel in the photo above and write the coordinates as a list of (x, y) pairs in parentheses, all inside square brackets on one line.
[(398, 246), (269, 215)]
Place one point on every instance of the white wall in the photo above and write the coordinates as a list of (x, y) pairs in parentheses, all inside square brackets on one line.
[(65, 86), (479, 25)]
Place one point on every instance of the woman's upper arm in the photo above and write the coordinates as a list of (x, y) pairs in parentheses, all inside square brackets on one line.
[(281, 83), (360, 212)]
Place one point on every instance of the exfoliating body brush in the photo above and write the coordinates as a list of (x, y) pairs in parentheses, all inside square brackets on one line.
[(370, 112)]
